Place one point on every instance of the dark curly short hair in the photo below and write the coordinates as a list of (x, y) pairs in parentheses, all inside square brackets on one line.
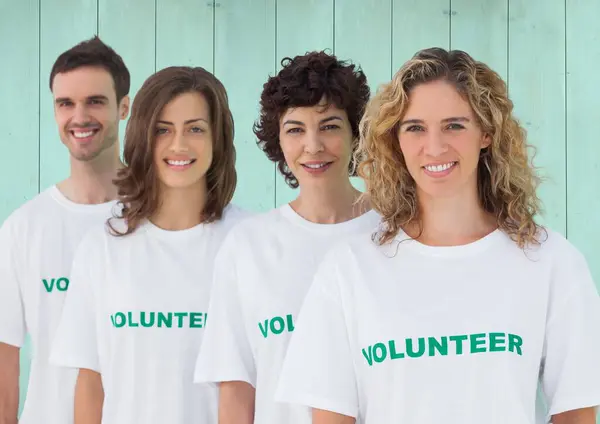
[(303, 82)]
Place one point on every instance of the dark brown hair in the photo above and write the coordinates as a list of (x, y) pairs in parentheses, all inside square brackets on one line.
[(137, 182), (94, 52), (302, 82)]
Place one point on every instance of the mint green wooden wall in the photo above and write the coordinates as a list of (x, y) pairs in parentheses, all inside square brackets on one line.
[(547, 50)]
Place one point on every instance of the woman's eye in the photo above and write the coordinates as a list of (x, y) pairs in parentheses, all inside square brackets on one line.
[(330, 127), (294, 130), (160, 131), (196, 130), (414, 128), (455, 126)]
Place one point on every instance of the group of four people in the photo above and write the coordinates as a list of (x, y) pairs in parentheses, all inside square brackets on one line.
[(434, 296)]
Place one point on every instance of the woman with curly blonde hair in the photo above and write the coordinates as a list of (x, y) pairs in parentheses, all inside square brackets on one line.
[(461, 303)]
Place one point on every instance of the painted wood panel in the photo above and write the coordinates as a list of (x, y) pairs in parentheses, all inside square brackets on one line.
[(363, 35), (583, 116), (184, 33), (19, 132), (417, 25), (293, 38), (245, 57), (60, 29), (129, 28), (536, 76), (481, 29)]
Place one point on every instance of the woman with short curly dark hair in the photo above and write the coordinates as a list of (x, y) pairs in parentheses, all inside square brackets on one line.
[(310, 112)]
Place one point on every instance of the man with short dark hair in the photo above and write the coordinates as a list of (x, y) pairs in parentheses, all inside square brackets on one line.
[(90, 86)]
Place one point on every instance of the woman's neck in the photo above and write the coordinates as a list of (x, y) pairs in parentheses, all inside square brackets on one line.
[(180, 209), (451, 221), (327, 205)]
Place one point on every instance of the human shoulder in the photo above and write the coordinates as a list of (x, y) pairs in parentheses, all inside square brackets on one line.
[(31, 211), (554, 246), (251, 224)]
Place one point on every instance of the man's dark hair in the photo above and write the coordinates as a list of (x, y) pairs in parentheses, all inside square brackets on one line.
[(94, 52)]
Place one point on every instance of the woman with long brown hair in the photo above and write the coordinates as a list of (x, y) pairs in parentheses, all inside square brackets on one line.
[(461, 303), (135, 313)]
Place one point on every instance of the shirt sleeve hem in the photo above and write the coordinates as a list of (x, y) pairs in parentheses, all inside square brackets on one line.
[(315, 402), (74, 362), (12, 340), (592, 401), (216, 378)]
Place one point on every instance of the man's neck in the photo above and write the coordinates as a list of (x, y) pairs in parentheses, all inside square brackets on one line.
[(91, 182)]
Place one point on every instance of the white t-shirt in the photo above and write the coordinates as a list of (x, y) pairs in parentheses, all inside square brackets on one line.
[(136, 313), (414, 334), (37, 244), (262, 273)]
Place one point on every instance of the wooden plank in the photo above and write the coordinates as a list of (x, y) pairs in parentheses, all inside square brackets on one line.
[(481, 29), (19, 133), (184, 33), (536, 76), (60, 29), (372, 49), (317, 14), (583, 114), (243, 64), (20, 130), (118, 22), (418, 24)]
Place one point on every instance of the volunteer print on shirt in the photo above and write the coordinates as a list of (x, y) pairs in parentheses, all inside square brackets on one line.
[(262, 273), (37, 244), (422, 335), (136, 313)]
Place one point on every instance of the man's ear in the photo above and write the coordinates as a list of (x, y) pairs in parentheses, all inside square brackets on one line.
[(124, 108)]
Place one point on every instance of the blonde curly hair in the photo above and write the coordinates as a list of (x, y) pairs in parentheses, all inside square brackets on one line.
[(507, 182)]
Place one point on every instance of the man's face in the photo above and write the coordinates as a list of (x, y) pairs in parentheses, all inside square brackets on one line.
[(86, 111)]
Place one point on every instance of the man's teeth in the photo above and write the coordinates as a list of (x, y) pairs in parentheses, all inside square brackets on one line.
[(439, 168), (315, 165), (179, 162), (86, 134)]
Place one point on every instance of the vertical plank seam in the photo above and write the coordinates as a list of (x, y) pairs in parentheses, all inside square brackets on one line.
[(450, 25), (508, 47), (98, 17), (39, 175), (566, 140), (391, 39), (333, 28), (275, 72), (214, 36), (155, 35)]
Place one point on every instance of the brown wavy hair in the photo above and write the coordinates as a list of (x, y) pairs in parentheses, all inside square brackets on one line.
[(137, 181), (302, 82), (507, 182)]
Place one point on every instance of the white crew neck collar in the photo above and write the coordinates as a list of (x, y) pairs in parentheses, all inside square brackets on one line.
[(61, 199), (402, 240), (341, 227), (174, 235)]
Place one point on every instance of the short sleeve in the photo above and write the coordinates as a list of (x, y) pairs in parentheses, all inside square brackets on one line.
[(12, 314), (571, 362), (225, 352), (75, 343), (318, 370)]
